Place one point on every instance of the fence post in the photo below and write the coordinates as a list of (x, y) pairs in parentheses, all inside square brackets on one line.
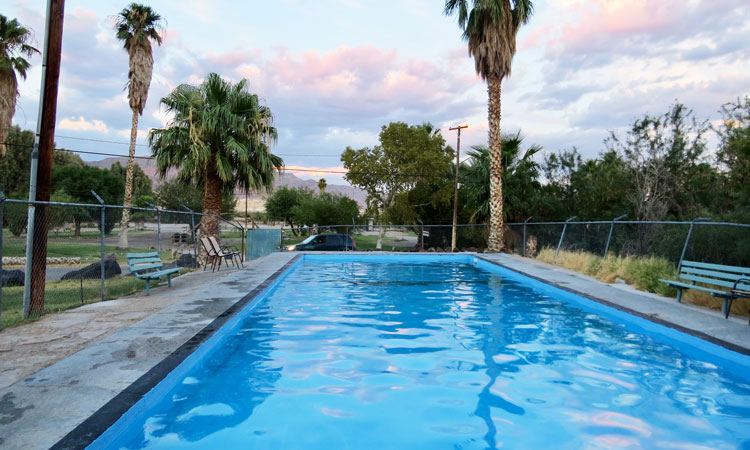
[(102, 225), (611, 229), (2, 207), (421, 233), (192, 228), (158, 227), (687, 239), (523, 252), (565, 227)]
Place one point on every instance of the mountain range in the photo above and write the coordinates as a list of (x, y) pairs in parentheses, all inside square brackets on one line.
[(256, 201)]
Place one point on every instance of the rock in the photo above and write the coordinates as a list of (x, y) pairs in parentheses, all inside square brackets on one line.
[(480, 250), (111, 269), (11, 278), (186, 260), (431, 249), (620, 281), (111, 257), (471, 249)]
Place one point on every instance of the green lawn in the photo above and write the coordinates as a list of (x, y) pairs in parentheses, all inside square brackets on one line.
[(88, 252), (364, 242), (62, 295)]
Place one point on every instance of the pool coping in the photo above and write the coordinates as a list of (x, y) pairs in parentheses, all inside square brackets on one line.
[(650, 317), (97, 423)]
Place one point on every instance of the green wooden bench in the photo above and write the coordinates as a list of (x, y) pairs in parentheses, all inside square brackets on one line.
[(147, 266), (734, 280)]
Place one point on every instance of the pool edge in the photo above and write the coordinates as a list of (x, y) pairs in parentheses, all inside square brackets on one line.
[(657, 320), (102, 419)]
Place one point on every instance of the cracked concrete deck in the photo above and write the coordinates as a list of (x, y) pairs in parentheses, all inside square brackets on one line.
[(56, 372)]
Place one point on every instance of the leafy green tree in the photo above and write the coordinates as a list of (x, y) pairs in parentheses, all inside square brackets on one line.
[(280, 204), (14, 45), (77, 182), (406, 155), (521, 180), (173, 194), (325, 210), (734, 157), (15, 167), (662, 153), (490, 28), (136, 26), (140, 181), (219, 139)]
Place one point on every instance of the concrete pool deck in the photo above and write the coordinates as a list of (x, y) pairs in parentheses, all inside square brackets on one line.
[(58, 371)]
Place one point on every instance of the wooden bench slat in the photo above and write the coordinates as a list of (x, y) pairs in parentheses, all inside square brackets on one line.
[(144, 267), (712, 273), (143, 260), (726, 284), (714, 292), (142, 255), (717, 267), (155, 275)]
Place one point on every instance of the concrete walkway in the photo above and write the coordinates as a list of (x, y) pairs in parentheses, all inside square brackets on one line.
[(56, 372)]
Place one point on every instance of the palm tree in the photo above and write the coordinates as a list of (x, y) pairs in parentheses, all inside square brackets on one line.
[(490, 28), (322, 184), (520, 178), (136, 26), (14, 39), (219, 139)]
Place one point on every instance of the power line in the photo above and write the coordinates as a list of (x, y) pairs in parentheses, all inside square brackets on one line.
[(151, 158)]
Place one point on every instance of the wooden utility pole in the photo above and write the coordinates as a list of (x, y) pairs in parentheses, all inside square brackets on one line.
[(46, 138), (455, 196)]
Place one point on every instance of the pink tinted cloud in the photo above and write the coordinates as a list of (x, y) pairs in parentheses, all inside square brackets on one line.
[(362, 75)]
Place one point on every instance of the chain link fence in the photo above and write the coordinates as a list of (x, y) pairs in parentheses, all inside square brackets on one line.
[(698, 240), (78, 238)]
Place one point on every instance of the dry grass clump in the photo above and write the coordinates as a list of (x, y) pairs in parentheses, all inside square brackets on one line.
[(641, 272)]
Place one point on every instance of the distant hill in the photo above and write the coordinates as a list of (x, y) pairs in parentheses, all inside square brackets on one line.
[(255, 202)]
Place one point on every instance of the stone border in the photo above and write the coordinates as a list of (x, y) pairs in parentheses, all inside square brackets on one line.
[(90, 429), (658, 320)]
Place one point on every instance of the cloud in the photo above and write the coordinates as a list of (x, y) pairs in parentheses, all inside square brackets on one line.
[(82, 124)]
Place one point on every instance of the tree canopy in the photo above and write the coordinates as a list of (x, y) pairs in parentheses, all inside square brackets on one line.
[(218, 139), (406, 156)]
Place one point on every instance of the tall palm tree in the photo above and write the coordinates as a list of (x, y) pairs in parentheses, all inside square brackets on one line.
[(136, 26), (490, 28), (14, 39), (520, 178), (322, 184), (219, 139)]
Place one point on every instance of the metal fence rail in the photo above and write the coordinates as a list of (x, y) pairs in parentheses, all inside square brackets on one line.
[(699, 239), (83, 262)]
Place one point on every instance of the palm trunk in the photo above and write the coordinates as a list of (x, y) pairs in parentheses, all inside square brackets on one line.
[(211, 200), (123, 243), (8, 93), (495, 240)]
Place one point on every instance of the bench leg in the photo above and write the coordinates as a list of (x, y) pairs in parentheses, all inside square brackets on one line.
[(679, 295), (148, 287), (169, 280), (727, 306)]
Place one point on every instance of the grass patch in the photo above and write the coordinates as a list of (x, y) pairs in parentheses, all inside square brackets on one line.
[(89, 253), (643, 273), (364, 242), (63, 295)]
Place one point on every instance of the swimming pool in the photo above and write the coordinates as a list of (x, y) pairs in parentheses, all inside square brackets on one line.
[(439, 352)]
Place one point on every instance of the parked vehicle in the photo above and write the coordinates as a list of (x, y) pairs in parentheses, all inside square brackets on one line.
[(326, 242)]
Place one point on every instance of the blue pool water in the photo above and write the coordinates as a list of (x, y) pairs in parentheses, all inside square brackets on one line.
[(342, 354)]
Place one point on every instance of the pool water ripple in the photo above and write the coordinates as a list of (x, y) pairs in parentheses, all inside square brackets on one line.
[(402, 356)]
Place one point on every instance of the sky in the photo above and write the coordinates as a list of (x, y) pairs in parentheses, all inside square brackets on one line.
[(334, 72)]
